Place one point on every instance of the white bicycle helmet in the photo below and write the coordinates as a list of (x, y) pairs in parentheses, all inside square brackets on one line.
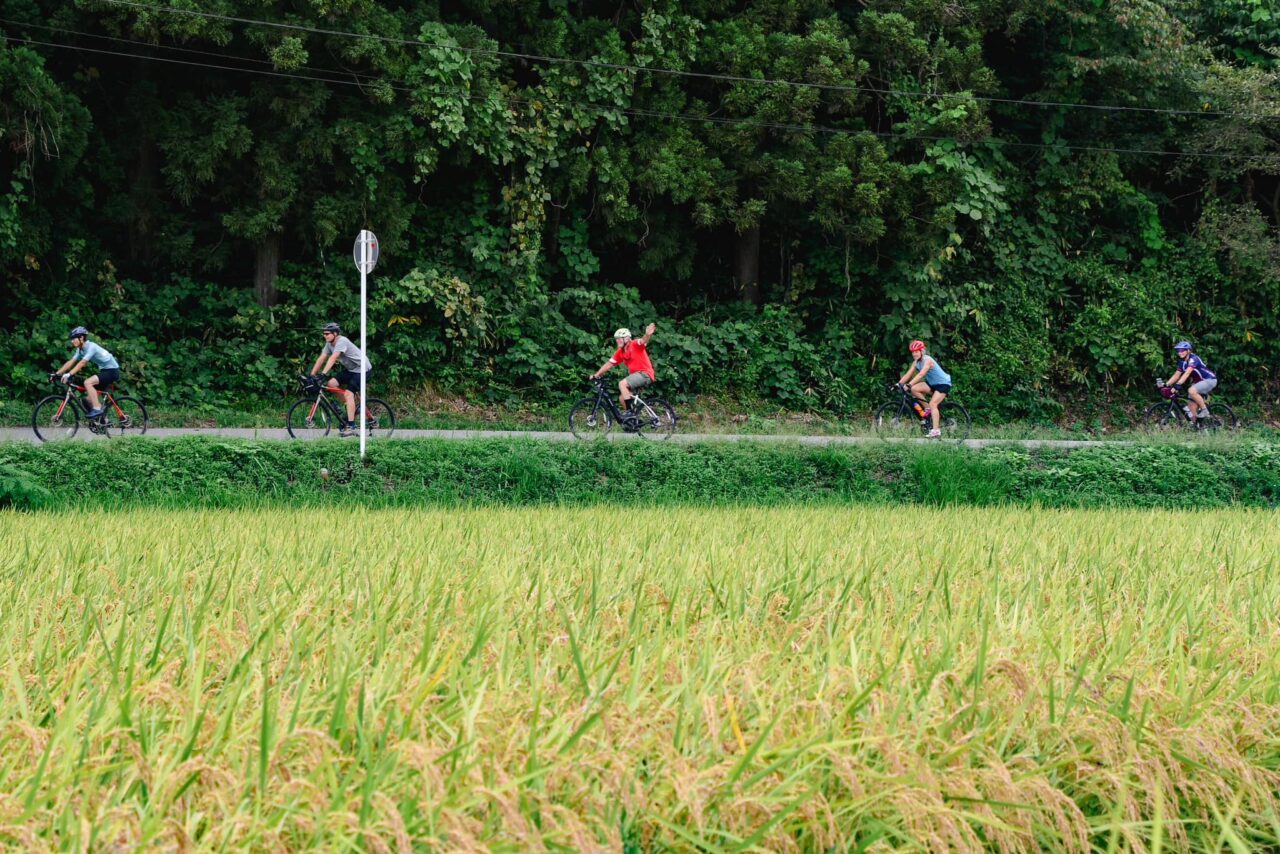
[(623, 332)]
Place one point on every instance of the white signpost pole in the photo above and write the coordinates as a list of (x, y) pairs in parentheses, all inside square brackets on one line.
[(364, 344), (366, 257)]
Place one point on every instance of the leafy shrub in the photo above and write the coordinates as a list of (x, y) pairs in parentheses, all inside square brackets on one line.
[(202, 470), (19, 489)]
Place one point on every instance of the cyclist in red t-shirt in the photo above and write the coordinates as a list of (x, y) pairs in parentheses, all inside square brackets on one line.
[(635, 355)]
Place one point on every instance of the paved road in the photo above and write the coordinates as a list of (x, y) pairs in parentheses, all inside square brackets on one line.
[(15, 434)]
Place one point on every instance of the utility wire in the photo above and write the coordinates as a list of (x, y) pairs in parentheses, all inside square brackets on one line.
[(646, 113), (187, 50), (831, 87)]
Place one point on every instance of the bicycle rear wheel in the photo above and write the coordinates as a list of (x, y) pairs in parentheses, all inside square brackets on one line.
[(657, 418), (587, 420), (895, 420), (953, 420), (55, 419), (307, 419), (1220, 418), (382, 420), (125, 416)]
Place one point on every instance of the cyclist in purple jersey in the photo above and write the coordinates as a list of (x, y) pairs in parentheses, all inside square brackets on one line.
[(1192, 369)]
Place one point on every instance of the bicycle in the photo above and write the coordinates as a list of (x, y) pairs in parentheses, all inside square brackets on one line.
[(904, 417), (314, 416), (594, 417), (57, 417), (1171, 413)]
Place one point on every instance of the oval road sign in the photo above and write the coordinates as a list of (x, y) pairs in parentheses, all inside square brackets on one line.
[(365, 262)]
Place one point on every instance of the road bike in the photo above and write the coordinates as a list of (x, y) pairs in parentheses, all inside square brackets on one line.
[(905, 417), (323, 407), (594, 417), (1172, 413), (58, 416)]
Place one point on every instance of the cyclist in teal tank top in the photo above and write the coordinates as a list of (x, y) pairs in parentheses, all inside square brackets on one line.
[(925, 377), (88, 352)]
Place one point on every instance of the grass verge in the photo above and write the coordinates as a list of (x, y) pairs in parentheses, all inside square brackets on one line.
[(227, 472)]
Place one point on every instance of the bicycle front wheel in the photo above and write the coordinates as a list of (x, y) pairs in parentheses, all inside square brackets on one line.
[(895, 421), (55, 419), (307, 419), (588, 420), (125, 416), (381, 420), (953, 419), (657, 418), (1163, 417)]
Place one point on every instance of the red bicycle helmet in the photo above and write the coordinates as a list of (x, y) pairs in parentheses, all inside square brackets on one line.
[(917, 345)]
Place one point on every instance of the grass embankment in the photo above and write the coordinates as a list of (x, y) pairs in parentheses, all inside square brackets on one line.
[(224, 472), (660, 679)]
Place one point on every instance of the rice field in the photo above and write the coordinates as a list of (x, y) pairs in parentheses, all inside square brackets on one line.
[(631, 680)]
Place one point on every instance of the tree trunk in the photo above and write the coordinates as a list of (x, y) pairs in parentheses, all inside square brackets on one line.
[(746, 264), (266, 269), (142, 192)]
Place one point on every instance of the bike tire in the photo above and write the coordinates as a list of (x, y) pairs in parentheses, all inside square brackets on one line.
[(382, 419), (49, 424), (1163, 417), (895, 420), (589, 421), (301, 424), (1221, 417), (954, 421), (658, 419), (134, 421)]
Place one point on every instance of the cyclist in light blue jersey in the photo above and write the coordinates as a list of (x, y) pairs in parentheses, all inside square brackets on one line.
[(1192, 369), (926, 376), (86, 352)]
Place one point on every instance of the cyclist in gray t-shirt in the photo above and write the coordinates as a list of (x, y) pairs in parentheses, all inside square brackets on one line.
[(355, 369)]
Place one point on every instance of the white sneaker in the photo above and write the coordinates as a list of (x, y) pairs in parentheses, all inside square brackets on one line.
[(935, 433)]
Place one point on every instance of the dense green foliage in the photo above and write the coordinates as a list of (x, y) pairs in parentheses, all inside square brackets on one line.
[(789, 239), (200, 470)]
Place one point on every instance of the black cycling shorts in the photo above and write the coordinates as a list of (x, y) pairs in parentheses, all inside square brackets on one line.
[(107, 376), (945, 388), (350, 380)]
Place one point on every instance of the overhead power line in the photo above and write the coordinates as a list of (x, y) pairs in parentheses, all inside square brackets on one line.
[(702, 75), (177, 49), (629, 111)]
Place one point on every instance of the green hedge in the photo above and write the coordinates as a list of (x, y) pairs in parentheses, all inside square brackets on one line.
[(222, 472)]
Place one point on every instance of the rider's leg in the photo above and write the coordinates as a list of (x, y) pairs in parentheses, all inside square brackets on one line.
[(1197, 402), (920, 391), (351, 405), (624, 395), (934, 403), (91, 389)]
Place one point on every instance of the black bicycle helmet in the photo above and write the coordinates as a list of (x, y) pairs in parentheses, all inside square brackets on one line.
[(332, 327), (79, 332)]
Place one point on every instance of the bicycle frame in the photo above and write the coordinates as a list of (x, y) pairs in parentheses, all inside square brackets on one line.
[(905, 401), (602, 394), (1178, 404), (107, 400), (330, 403)]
